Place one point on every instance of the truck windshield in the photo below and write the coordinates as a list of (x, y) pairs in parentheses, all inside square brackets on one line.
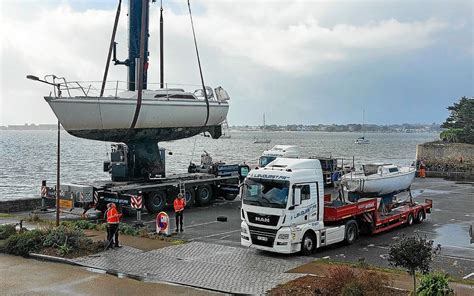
[(264, 160), (265, 193)]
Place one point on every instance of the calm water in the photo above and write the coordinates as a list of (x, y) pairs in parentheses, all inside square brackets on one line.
[(27, 157)]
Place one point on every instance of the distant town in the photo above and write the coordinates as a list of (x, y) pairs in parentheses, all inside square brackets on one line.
[(392, 128)]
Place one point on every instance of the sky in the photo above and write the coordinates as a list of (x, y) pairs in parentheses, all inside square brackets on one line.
[(299, 62)]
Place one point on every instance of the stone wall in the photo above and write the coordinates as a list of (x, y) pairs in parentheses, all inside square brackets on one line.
[(447, 159), (22, 205)]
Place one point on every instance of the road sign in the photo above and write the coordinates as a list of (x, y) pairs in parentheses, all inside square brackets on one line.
[(136, 202), (163, 224)]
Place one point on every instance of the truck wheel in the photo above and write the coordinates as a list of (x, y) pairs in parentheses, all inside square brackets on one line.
[(155, 202), (410, 219), (204, 195), (351, 232), (230, 196), (308, 244), (190, 196), (420, 216)]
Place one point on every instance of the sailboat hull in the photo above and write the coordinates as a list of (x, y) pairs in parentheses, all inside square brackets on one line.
[(379, 184), (109, 119)]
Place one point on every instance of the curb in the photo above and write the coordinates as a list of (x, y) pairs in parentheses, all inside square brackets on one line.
[(53, 259)]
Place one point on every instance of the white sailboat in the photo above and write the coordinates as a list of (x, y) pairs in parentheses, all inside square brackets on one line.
[(362, 140), (379, 179), (138, 113), (264, 139)]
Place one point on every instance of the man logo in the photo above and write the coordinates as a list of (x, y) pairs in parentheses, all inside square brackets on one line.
[(262, 219)]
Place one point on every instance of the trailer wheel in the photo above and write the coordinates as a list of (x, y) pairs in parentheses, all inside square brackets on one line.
[(190, 196), (420, 216), (351, 232), (308, 244), (155, 202), (204, 195), (410, 219)]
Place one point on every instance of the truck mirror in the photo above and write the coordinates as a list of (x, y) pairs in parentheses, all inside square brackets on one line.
[(297, 196)]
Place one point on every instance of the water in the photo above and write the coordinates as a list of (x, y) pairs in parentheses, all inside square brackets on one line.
[(27, 157)]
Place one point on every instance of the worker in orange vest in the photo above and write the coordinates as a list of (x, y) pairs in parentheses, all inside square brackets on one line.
[(113, 220), (179, 204), (422, 169)]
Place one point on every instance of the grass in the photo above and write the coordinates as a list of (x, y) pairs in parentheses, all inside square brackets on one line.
[(6, 215)]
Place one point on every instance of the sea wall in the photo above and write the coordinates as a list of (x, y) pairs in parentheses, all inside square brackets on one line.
[(22, 205), (442, 159)]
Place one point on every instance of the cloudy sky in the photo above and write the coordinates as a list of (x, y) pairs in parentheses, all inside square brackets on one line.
[(304, 62)]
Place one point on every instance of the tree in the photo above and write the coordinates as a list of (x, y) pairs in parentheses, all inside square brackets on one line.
[(460, 123), (413, 254)]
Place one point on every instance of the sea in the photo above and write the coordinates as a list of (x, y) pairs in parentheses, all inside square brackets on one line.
[(28, 157)]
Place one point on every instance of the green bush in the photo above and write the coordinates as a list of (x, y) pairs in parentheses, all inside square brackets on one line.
[(83, 224), (63, 235), (7, 230), (128, 229), (24, 243), (353, 289), (434, 284)]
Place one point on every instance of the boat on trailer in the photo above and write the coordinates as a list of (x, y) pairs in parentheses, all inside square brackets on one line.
[(379, 179)]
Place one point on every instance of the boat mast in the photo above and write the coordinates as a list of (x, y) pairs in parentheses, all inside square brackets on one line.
[(162, 61)]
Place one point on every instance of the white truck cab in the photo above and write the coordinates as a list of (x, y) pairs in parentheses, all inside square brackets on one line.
[(283, 208), (287, 151)]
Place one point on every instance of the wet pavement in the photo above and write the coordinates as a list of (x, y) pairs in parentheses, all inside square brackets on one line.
[(197, 264), (448, 225), (20, 276)]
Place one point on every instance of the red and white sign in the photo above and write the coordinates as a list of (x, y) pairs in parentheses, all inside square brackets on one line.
[(136, 201), (163, 223), (44, 191)]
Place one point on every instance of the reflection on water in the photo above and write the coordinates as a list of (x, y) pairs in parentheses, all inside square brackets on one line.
[(27, 157)]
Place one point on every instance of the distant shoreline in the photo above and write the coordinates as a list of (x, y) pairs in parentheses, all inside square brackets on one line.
[(356, 128)]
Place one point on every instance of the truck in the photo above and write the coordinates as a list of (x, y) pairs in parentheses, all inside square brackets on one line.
[(285, 210), (287, 151), (200, 185)]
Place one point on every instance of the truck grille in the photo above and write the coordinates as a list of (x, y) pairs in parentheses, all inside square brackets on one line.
[(262, 236), (270, 220)]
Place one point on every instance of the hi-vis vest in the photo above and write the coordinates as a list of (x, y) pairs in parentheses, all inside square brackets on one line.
[(179, 204), (112, 216)]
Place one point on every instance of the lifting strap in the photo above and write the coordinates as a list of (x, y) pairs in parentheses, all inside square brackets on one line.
[(141, 64), (200, 69), (109, 55)]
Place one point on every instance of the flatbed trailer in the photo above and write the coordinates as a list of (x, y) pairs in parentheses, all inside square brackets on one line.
[(370, 211)]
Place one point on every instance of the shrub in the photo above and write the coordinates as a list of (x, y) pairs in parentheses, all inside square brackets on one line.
[(434, 284), (128, 229), (7, 230), (344, 280), (83, 224), (63, 235), (353, 289), (24, 243)]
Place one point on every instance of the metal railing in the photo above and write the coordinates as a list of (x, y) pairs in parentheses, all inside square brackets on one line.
[(92, 88)]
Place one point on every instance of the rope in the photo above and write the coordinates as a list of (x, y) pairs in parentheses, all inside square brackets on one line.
[(199, 64)]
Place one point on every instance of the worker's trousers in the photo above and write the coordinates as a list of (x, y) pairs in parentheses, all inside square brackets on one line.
[(113, 234), (179, 220)]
